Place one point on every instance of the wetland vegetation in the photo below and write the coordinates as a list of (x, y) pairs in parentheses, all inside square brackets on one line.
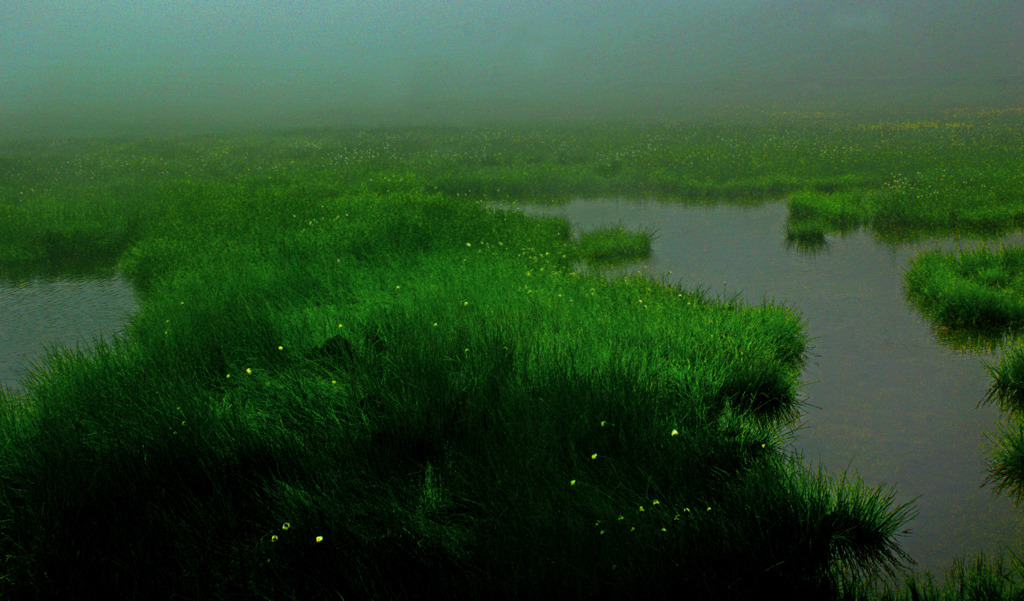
[(345, 366)]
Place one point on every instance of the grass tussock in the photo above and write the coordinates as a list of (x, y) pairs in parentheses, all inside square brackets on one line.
[(979, 288), (613, 244)]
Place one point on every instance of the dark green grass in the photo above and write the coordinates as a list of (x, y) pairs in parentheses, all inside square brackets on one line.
[(979, 578), (1005, 464), (1006, 454), (334, 338), (428, 388), (1006, 461)]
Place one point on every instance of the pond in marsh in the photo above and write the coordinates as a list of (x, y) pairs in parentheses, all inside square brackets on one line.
[(884, 397), (38, 313)]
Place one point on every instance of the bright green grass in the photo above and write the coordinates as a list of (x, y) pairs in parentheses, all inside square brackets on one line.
[(613, 244), (95, 198), (979, 288)]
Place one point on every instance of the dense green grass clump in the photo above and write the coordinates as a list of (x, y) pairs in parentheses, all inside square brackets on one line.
[(1006, 456), (405, 396), (614, 244), (978, 288)]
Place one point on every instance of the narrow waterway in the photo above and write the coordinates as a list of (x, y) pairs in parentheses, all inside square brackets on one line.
[(41, 312), (884, 397)]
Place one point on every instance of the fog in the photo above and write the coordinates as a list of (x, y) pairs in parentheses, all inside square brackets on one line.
[(82, 66)]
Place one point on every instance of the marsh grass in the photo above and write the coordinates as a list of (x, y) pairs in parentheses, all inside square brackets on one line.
[(978, 294), (1005, 463), (419, 386), (613, 244), (97, 198), (979, 578), (334, 337), (979, 288), (806, 236)]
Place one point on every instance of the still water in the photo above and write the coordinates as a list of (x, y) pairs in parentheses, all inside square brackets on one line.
[(883, 395), (38, 313)]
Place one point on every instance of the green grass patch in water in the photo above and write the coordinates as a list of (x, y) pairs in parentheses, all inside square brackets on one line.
[(980, 288), (613, 244)]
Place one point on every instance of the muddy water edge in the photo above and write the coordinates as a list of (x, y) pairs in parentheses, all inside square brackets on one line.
[(884, 397)]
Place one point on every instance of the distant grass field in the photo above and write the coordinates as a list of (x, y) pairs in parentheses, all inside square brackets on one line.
[(348, 378), (955, 172)]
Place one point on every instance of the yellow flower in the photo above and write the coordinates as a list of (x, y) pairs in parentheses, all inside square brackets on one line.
[(675, 432), (572, 483), (248, 371), (280, 348), (655, 502), (273, 539), (594, 456), (286, 525), (319, 539), (641, 509)]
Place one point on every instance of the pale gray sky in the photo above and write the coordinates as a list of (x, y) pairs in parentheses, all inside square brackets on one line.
[(96, 63)]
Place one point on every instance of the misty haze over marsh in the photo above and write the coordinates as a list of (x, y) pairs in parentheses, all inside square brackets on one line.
[(135, 66)]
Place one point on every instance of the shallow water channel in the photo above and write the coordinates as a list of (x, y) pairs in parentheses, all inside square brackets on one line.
[(72, 311), (884, 396)]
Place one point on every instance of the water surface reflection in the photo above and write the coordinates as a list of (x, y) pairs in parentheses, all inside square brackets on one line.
[(40, 312)]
